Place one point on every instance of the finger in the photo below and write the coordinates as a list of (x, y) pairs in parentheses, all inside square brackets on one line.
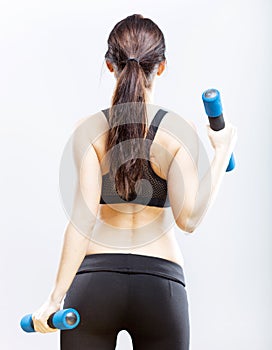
[(41, 326), (47, 328), (52, 330), (44, 329)]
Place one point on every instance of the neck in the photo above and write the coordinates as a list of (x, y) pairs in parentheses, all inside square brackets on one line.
[(150, 96)]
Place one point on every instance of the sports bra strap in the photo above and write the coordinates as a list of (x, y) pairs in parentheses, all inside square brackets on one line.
[(153, 126), (106, 112)]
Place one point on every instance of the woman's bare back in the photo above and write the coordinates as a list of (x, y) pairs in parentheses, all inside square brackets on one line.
[(137, 228)]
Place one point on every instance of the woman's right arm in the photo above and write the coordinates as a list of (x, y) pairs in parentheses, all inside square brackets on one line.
[(191, 197)]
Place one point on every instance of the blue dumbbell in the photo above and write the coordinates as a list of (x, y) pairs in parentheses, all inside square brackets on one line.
[(63, 319), (213, 108)]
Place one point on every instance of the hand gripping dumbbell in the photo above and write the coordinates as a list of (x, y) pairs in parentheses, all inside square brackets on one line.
[(213, 108), (63, 319)]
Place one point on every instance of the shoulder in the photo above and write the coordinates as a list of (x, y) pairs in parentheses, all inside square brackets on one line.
[(97, 118), (179, 127), (91, 127), (182, 133)]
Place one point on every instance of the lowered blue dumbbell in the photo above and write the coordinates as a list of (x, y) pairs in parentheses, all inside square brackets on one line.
[(63, 319), (213, 108)]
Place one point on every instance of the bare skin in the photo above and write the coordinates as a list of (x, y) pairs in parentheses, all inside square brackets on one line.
[(123, 228), (122, 221)]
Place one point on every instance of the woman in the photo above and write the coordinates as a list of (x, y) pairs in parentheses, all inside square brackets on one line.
[(123, 269)]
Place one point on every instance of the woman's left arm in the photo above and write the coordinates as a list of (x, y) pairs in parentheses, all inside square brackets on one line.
[(73, 252), (78, 231)]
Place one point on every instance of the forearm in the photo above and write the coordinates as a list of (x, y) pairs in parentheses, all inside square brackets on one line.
[(73, 252), (209, 187)]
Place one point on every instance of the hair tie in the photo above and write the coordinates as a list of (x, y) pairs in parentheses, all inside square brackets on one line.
[(133, 59)]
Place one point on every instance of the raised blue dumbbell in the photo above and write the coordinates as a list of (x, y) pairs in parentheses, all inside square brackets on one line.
[(63, 319), (213, 108)]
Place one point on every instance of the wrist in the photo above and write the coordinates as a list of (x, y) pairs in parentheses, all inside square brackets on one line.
[(56, 297), (223, 152)]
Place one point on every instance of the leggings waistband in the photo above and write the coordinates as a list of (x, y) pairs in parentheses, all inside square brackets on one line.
[(132, 263)]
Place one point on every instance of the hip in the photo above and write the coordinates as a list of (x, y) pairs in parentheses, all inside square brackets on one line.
[(142, 294), (129, 263)]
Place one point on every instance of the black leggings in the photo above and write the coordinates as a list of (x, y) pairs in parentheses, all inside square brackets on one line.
[(141, 294)]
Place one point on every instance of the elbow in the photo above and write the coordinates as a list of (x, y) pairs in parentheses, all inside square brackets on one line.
[(187, 225), (190, 229)]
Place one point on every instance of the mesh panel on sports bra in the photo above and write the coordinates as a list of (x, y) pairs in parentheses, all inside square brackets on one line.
[(153, 188)]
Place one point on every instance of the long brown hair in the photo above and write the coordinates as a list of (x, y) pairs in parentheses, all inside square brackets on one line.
[(139, 38)]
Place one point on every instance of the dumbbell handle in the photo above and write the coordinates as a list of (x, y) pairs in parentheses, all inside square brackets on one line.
[(213, 108), (62, 319)]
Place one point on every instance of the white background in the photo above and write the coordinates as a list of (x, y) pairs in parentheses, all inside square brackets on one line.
[(52, 74)]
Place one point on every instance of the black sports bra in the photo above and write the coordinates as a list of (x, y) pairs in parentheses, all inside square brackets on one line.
[(152, 192)]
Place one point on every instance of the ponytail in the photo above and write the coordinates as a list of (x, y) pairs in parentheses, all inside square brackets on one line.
[(128, 115)]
